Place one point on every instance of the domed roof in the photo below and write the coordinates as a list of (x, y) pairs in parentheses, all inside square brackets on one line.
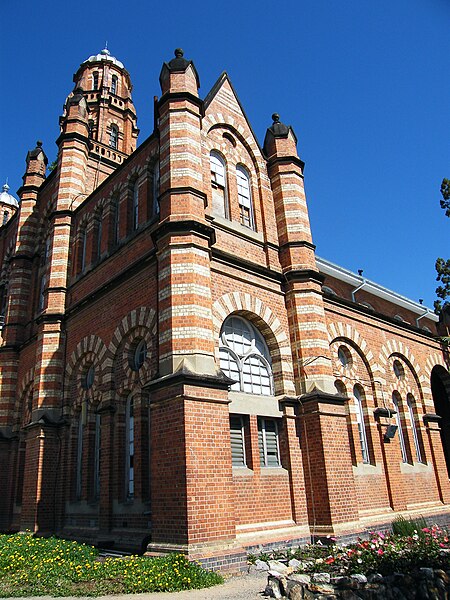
[(6, 198), (104, 55)]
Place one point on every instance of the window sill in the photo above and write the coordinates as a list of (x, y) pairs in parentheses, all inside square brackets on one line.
[(238, 229), (242, 472), (366, 469), (277, 471), (406, 468), (251, 404)]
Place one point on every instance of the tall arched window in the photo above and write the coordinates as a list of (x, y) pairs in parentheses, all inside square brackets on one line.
[(358, 396), (98, 234), (114, 137), (83, 245), (114, 81), (398, 419), (97, 455), (135, 205), (245, 357), (95, 80), (414, 430), (155, 188), (115, 222), (245, 197), (129, 448), (219, 205), (79, 469)]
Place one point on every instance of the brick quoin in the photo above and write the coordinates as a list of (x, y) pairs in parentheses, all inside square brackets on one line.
[(149, 292)]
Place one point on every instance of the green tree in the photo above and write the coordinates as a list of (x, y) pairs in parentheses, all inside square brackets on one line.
[(443, 266)]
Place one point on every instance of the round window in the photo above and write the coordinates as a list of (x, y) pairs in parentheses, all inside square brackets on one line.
[(399, 371), (344, 356), (88, 379), (140, 354)]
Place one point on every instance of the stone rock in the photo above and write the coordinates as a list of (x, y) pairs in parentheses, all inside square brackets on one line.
[(342, 581), (295, 564), (296, 592), (358, 578), (276, 565), (273, 589), (426, 573), (349, 595), (442, 575), (261, 565), (321, 588), (300, 578), (375, 578), (321, 577)]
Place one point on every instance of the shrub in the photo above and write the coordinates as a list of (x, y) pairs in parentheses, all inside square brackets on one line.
[(408, 527)]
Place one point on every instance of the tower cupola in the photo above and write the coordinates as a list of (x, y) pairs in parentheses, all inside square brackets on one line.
[(8, 205), (112, 123)]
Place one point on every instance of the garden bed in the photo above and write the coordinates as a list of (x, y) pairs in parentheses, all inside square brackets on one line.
[(35, 567)]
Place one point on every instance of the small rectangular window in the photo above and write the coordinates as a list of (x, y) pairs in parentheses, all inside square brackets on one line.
[(269, 451), (237, 441)]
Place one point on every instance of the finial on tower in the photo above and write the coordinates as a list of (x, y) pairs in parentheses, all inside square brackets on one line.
[(179, 52), (276, 118)]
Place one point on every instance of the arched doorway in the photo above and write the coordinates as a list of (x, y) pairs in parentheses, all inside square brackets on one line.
[(440, 388)]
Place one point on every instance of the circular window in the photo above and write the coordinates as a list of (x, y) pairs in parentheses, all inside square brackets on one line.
[(399, 371), (88, 379), (344, 356), (139, 356)]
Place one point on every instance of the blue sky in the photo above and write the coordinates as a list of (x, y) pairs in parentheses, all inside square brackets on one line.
[(365, 85)]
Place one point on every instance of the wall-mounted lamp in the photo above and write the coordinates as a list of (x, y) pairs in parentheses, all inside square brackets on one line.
[(386, 413), (390, 432)]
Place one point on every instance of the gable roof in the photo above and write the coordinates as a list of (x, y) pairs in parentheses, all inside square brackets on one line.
[(214, 92)]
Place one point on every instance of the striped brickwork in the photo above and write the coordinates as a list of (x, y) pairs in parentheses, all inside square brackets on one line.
[(184, 278), (312, 365)]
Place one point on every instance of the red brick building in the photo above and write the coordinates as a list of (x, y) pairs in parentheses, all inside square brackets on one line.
[(179, 370)]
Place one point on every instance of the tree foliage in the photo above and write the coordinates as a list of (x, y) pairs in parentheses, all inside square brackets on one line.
[(443, 266)]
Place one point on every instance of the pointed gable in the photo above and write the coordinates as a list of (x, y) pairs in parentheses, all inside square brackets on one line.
[(223, 107)]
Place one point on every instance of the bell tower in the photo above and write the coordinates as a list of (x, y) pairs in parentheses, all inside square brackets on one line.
[(111, 116)]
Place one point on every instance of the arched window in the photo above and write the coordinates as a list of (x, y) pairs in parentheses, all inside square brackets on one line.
[(115, 222), (219, 205), (340, 388), (358, 397), (398, 420), (43, 283), (138, 355), (98, 234), (245, 197), (114, 137), (129, 448), (135, 205), (95, 80), (245, 357), (155, 188), (83, 245), (5, 217), (97, 455), (415, 433), (79, 469), (114, 81)]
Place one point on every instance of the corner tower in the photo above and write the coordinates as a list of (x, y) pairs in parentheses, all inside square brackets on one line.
[(111, 116)]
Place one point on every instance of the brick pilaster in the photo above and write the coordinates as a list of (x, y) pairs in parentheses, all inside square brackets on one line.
[(309, 341), (329, 481)]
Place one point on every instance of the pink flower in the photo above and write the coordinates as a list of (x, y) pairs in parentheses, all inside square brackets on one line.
[(380, 551)]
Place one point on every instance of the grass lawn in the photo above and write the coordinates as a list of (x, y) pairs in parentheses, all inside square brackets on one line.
[(35, 567)]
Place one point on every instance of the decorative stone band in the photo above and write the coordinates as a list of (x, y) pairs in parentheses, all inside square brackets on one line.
[(431, 418), (174, 227), (186, 377)]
